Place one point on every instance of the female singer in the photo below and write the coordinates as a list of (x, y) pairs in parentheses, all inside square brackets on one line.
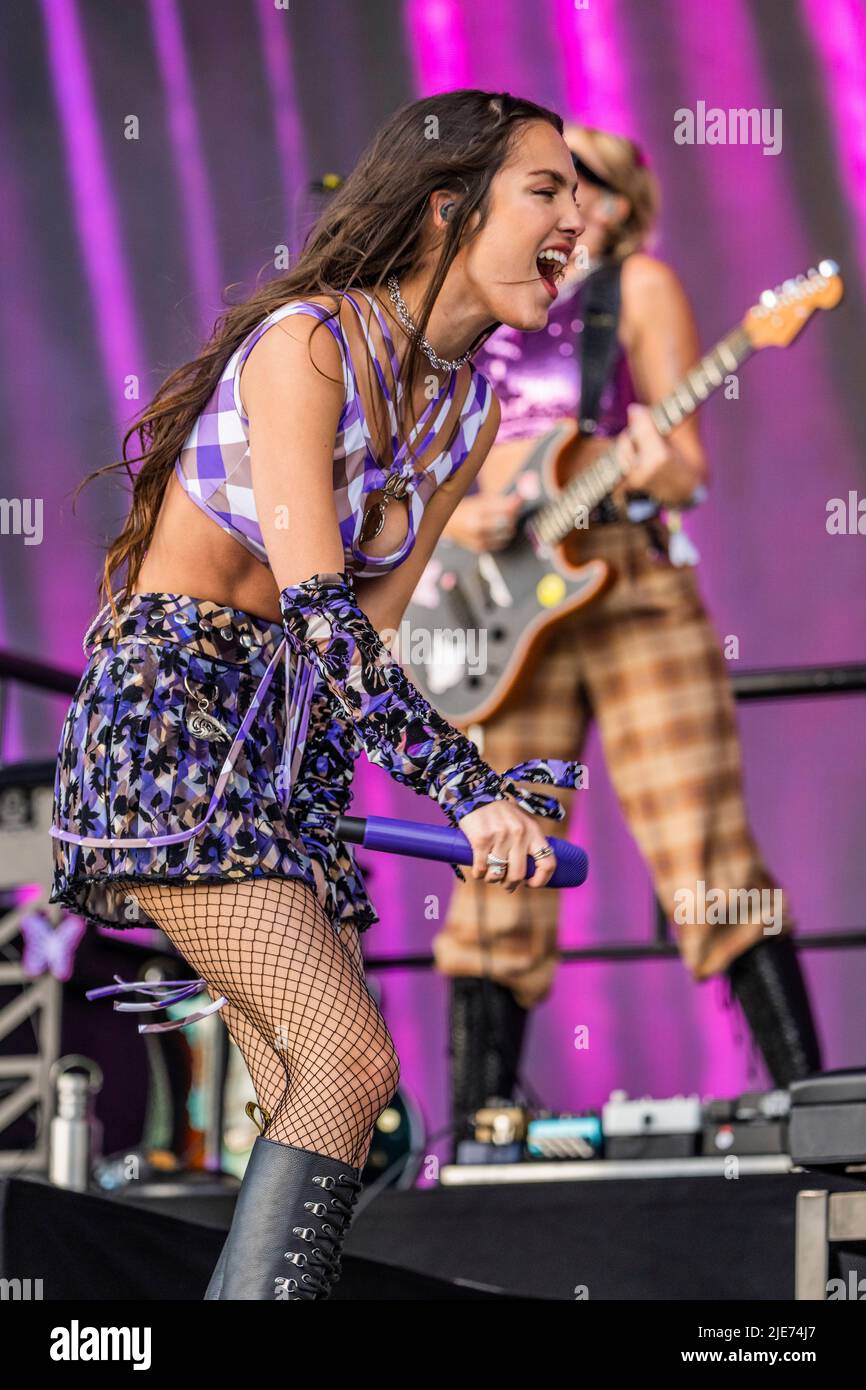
[(283, 485)]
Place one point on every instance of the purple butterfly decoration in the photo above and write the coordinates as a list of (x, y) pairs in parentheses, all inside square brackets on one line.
[(50, 949)]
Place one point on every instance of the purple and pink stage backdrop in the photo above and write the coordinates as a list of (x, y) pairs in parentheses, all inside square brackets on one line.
[(156, 153)]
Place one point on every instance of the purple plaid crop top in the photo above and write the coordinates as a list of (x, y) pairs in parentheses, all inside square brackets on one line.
[(213, 466)]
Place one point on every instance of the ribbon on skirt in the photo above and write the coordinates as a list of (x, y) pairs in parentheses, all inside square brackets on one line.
[(298, 702)]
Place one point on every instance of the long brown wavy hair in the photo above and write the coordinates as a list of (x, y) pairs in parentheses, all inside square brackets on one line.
[(371, 228)]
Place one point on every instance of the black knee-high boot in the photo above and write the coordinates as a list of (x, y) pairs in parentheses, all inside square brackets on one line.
[(486, 1032), (213, 1292), (292, 1215), (214, 1288), (768, 983)]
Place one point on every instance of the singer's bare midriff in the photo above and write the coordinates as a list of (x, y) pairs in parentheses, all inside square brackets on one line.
[(191, 554)]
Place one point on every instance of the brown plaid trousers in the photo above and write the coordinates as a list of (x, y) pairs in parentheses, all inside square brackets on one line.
[(646, 663)]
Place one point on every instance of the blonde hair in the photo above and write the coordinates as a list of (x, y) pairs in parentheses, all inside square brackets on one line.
[(622, 163)]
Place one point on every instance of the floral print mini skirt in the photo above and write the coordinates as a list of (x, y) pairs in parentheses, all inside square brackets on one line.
[(198, 748)]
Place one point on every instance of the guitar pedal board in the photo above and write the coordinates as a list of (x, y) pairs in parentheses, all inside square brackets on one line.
[(647, 1128)]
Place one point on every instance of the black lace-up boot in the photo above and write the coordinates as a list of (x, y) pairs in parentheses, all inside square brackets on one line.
[(291, 1217), (768, 983), (214, 1288), (486, 1033)]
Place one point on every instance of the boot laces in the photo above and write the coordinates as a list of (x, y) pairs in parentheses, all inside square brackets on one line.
[(321, 1265)]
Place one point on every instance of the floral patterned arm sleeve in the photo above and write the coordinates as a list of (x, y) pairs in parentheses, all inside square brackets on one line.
[(323, 789), (399, 730), (322, 792)]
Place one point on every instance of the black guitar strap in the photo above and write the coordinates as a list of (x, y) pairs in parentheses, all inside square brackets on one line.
[(601, 308), (601, 305)]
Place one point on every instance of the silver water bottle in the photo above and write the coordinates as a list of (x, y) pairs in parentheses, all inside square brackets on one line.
[(71, 1138)]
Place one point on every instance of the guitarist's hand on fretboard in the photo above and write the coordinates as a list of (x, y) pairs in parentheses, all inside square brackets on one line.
[(650, 462)]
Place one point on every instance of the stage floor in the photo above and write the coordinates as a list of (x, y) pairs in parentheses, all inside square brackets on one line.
[(675, 1238)]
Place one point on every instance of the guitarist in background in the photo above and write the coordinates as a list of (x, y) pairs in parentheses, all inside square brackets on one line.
[(644, 660)]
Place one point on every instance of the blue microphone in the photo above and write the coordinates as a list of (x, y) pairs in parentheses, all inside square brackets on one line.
[(451, 846)]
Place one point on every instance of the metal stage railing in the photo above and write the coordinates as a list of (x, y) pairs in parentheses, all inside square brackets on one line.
[(779, 683)]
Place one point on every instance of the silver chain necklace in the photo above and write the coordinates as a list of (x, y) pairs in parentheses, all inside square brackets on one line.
[(440, 363), (396, 483)]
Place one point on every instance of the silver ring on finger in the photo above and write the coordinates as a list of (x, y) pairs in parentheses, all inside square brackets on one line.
[(494, 859), (544, 853)]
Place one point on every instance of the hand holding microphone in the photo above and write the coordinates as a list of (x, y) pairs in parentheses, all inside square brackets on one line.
[(502, 836)]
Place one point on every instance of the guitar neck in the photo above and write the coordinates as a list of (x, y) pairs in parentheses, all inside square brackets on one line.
[(556, 518)]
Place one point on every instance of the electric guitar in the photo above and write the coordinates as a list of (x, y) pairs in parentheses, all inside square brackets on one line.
[(494, 612)]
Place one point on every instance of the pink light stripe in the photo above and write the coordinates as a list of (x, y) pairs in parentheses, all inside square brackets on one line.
[(191, 169), (274, 37), (94, 205), (737, 172), (594, 77), (837, 30), (437, 45)]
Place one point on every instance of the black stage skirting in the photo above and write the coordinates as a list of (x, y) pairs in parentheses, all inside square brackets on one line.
[(92, 1248), (686, 1238), (635, 1239)]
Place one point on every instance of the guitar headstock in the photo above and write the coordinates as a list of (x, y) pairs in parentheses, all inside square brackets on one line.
[(780, 314)]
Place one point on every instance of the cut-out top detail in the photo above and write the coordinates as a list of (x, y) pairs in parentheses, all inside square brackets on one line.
[(213, 466)]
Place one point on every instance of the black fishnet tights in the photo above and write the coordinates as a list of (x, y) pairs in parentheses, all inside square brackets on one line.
[(318, 1050)]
